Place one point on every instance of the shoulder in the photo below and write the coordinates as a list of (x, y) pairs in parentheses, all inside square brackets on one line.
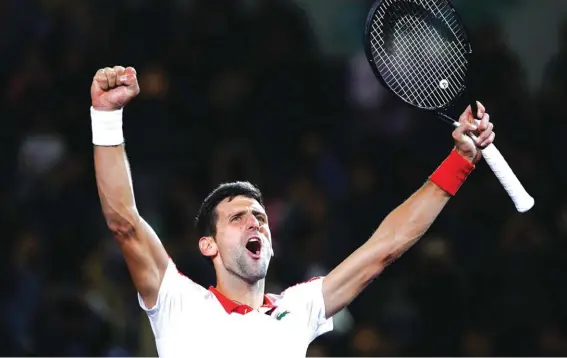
[(311, 282), (176, 288), (305, 301), (301, 289)]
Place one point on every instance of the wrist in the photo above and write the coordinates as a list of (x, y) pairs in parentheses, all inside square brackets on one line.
[(105, 107), (466, 155), (106, 127), (452, 172)]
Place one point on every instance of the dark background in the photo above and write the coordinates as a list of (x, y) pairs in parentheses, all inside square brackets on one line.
[(278, 93)]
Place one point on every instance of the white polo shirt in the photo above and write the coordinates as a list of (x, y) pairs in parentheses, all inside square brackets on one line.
[(191, 321)]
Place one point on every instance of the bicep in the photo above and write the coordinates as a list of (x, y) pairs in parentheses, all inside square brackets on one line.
[(350, 277), (145, 257)]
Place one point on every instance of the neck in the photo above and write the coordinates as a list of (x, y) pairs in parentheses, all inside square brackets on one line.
[(242, 292)]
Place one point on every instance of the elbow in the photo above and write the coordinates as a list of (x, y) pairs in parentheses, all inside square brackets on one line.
[(122, 224), (389, 259), (393, 252), (378, 267), (392, 249), (381, 251), (384, 257)]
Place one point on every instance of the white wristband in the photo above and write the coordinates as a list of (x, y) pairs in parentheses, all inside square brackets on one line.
[(107, 127)]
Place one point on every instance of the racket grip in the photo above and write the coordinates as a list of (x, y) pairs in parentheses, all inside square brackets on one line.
[(522, 200)]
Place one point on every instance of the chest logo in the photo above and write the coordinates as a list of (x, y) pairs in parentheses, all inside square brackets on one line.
[(281, 315)]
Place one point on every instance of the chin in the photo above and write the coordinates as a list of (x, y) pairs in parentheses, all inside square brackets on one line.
[(252, 271), (261, 275), (257, 276), (253, 279)]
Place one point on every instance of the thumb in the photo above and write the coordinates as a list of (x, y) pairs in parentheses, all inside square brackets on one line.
[(467, 116)]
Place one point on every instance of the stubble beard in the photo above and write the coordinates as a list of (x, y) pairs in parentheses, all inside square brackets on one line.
[(248, 269)]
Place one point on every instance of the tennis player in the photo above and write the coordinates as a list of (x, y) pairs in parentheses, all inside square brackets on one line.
[(237, 318)]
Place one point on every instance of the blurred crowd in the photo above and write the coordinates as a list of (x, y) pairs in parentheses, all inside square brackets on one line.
[(234, 91)]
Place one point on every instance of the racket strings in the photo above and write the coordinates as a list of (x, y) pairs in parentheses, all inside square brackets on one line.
[(433, 56), (445, 13), (457, 48), (393, 69), (407, 76), (419, 59), (405, 48), (453, 24), (429, 58), (392, 74), (455, 59), (401, 66)]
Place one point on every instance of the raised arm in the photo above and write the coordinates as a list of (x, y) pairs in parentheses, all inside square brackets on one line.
[(409, 221), (112, 88)]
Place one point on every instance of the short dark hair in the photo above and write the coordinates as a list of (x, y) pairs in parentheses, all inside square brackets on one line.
[(206, 220)]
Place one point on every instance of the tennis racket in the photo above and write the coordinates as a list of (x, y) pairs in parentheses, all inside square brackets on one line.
[(420, 51)]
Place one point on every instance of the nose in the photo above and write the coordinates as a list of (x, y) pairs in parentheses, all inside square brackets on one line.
[(253, 224)]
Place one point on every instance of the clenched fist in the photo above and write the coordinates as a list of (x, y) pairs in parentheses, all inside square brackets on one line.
[(113, 88), (483, 130)]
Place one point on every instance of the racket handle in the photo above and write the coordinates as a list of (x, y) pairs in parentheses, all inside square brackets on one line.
[(522, 200)]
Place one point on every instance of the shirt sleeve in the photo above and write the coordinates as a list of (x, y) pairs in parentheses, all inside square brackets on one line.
[(308, 297), (176, 297)]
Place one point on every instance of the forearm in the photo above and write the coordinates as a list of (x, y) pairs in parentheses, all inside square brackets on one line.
[(396, 234), (115, 189), (144, 254), (406, 224)]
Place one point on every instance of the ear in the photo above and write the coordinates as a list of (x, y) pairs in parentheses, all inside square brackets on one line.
[(208, 246)]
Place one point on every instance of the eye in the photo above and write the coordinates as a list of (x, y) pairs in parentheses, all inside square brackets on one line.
[(261, 219), (236, 218)]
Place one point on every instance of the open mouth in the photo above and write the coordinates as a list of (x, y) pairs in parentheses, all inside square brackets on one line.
[(254, 245)]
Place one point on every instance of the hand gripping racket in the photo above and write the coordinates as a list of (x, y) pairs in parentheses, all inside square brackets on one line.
[(420, 51)]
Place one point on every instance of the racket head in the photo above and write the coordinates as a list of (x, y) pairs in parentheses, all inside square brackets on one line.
[(399, 37)]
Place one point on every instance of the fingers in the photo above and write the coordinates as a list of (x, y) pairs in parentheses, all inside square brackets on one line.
[(101, 79), (108, 78), (484, 136), (488, 141), (481, 109), (484, 122), (111, 76), (130, 71), (484, 131), (128, 78), (119, 70)]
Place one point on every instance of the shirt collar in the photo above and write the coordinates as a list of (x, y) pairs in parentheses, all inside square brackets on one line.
[(231, 306)]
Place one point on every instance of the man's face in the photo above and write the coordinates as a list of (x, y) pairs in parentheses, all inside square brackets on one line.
[(243, 238)]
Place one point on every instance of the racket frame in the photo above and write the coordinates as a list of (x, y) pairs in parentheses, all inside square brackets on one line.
[(522, 200), (439, 111)]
